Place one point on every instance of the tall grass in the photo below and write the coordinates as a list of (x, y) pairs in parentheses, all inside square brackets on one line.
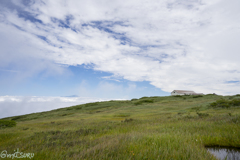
[(158, 128)]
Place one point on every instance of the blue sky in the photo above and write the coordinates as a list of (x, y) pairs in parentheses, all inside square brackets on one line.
[(78, 81), (102, 50)]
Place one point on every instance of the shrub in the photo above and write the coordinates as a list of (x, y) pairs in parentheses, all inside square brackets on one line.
[(78, 107), (177, 96), (143, 97), (197, 96), (134, 99), (17, 118), (138, 103), (222, 103), (7, 123), (144, 101), (147, 101), (235, 102)]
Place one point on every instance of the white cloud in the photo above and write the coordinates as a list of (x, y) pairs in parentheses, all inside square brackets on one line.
[(108, 89), (20, 105), (189, 44)]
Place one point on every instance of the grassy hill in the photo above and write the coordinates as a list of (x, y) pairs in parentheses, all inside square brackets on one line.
[(173, 127)]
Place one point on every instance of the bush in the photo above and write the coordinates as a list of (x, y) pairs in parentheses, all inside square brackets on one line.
[(177, 96), (78, 107), (138, 103), (17, 118), (235, 102), (147, 101), (222, 103), (134, 99), (143, 97), (197, 96), (7, 123), (144, 101)]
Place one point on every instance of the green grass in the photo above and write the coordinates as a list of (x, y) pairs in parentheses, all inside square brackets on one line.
[(7, 123), (173, 127)]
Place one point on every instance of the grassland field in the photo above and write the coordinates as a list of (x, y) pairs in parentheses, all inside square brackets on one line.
[(171, 128)]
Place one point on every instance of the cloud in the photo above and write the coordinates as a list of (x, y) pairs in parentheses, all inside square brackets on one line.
[(104, 89), (172, 44), (20, 105)]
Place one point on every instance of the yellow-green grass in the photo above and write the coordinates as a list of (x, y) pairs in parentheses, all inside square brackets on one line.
[(146, 128)]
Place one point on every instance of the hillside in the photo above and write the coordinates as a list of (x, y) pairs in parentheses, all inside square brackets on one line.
[(173, 127)]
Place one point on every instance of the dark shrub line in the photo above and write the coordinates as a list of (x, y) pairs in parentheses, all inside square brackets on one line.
[(7, 123), (222, 103), (144, 101)]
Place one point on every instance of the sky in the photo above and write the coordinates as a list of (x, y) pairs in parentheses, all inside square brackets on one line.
[(56, 53)]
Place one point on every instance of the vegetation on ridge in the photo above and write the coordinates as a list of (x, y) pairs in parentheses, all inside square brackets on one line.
[(173, 127), (7, 123)]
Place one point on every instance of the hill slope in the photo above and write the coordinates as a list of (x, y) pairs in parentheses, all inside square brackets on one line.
[(147, 128)]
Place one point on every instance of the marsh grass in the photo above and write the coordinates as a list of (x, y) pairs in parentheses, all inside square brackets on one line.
[(157, 128)]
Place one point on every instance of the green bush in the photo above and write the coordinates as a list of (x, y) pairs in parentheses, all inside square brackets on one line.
[(78, 107), (7, 123), (138, 103), (134, 99), (147, 101), (235, 102), (144, 101), (197, 96), (222, 103), (143, 97), (17, 118), (177, 96)]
